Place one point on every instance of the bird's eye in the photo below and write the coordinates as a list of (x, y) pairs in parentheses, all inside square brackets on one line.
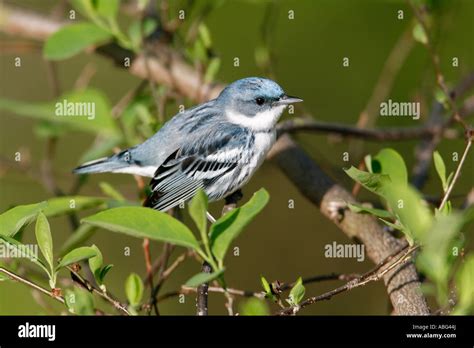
[(260, 101)]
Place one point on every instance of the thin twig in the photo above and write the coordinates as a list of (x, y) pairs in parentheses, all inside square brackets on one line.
[(375, 134), (456, 174), (374, 275), (102, 293), (149, 271), (259, 294), (436, 65), (20, 279)]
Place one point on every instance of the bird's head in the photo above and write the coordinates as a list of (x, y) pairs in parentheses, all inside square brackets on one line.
[(255, 102)]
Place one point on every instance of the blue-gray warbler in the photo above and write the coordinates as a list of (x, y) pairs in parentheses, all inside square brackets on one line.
[(216, 146)]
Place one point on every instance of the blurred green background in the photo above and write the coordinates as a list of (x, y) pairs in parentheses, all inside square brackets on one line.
[(281, 243)]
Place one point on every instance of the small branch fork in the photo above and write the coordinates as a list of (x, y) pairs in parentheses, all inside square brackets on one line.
[(375, 274), (353, 281), (170, 70), (258, 294), (76, 277)]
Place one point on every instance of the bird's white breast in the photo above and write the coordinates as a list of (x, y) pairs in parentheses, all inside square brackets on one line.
[(263, 143)]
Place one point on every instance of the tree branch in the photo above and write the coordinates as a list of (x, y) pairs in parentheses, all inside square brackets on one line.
[(402, 283), (373, 275), (167, 67), (32, 285)]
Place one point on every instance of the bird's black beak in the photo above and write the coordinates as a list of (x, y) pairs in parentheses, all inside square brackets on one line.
[(286, 100)]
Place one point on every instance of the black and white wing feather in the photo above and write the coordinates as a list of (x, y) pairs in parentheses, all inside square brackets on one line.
[(198, 165)]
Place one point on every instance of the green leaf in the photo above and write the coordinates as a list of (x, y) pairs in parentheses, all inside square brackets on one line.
[(14, 219), (99, 122), (95, 262), (139, 30), (79, 301), (48, 129), (44, 239), (108, 8), (134, 289), (465, 287), (435, 258), (84, 7), (198, 209), (372, 182), (103, 272), (419, 34), (212, 69), (396, 226), (368, 163), (149, 26), (254, 306), (296, 293), (228, 227), (389, 162), (135, 34), (77, 238), (359, 208), (205, 35), (72, 39), (441, 97), (268, 289), (448, 180), (265, 285), (11, 243), (144, 223), (68, 204), (110, 191), (440, 169), (77, 255), (408, 206), (202, 277)]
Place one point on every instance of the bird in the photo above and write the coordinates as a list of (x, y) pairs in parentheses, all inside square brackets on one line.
[(215, 146)]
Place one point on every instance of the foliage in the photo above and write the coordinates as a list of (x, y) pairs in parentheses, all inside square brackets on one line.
[(401, 206), (438, 232), (130, 220)]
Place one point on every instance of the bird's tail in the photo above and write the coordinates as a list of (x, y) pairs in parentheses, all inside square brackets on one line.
[(102, 165)]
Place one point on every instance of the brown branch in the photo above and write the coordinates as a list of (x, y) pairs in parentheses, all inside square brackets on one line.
[(436, 122), (259, 294), (381, 134), (374, 275), (149, 273), (168, 68), (402, 284), (76, 277), (440, 80), (163, 262), (32, 285)]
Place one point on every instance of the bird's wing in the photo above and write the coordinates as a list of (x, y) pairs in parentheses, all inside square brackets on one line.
[(197, 165)]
